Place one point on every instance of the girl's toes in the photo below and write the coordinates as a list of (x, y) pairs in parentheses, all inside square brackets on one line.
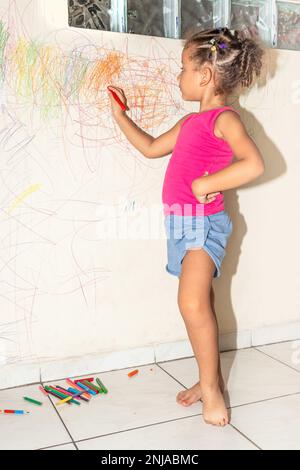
[(179, 398)]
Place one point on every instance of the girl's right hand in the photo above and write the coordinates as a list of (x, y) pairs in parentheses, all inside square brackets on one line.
[(116, 108)]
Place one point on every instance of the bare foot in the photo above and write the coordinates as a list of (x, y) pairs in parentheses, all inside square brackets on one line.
[(214, 408), (193, 394)]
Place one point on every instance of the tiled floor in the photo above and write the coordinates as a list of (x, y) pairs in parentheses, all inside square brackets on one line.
[(263, 394)]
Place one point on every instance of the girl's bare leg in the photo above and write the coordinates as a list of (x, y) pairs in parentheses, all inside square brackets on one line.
[(193, 394), (194, 301)]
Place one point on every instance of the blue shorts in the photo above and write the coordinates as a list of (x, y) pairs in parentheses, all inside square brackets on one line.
[(209, 232)]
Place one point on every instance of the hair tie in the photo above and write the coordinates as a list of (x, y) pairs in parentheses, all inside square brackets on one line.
[(222, 45), (213, 42)]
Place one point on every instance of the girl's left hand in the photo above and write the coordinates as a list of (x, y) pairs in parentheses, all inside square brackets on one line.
[(206, 198)]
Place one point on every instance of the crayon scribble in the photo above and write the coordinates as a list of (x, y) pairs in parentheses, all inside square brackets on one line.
[(57, 133), (23, 196), (3, 41)]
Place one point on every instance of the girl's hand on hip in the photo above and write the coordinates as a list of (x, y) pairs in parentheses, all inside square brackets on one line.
[(115, 106), (206, 198)]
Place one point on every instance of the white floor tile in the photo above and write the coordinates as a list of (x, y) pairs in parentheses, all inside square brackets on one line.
[(287, 352), (41, 428), (146, 398), (249, 376), (182, 434), (272, 424)]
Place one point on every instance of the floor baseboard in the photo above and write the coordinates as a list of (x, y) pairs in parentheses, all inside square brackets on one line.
[(13, 375)]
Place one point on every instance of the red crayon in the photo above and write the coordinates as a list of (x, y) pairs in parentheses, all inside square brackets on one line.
[(43, 390), (117, 99), (90, 379)]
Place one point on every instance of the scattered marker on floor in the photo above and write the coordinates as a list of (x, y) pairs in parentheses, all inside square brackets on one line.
[(67, 399), (16, 412), (134, 372), (87, 389), (58, 394), (74, 385), (90, 379), (91, 386), (73, 390), (31, 400), (101, 385)]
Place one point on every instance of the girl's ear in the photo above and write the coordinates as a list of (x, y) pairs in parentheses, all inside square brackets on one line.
[(205, 76)]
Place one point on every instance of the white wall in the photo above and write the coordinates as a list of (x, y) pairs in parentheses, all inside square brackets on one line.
[(74, 303)]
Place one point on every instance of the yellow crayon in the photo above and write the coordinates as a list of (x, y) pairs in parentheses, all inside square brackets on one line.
[(65, 400)]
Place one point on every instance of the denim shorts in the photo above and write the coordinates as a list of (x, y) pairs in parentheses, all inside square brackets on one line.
[(210, 232)]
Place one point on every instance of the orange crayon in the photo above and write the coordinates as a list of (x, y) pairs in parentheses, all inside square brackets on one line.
[(133, 373)]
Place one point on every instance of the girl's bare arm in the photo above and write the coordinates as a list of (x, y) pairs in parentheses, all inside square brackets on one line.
[(249, 166), (149, 146)]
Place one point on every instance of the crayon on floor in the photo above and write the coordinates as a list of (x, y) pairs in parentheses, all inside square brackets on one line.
[(133, 373), (16, 412), (103, 388), (31, 400)]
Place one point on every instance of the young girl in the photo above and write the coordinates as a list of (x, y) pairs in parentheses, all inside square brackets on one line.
[(215, 62)]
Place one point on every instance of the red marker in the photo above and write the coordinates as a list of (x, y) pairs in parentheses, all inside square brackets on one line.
[(90, 379), (117, 99), (133, 373)]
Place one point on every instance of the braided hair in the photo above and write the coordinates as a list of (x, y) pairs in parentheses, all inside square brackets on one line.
[(237, 60)]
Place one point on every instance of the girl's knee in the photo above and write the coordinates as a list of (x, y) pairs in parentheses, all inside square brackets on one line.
[(194, 308)]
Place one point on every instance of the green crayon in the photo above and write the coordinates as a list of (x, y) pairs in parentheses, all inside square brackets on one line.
[(103, 388), (91, 386), (31, 400), (61, 395)]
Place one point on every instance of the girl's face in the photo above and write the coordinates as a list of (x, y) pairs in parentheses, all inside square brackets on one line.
[(192, 81)]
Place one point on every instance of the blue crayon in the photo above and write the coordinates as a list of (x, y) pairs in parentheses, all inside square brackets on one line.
[(73, 390), (89, 390)]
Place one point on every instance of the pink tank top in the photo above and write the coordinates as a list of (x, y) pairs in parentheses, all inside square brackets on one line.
[(197, 150)]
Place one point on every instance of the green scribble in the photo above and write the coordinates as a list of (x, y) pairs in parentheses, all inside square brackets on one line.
[(4, 35), (63, 86), (43, 74)]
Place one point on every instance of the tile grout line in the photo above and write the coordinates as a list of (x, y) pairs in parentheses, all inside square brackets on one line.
[(265, 399), (178, 419), (159, 423), (243, 404), (65, 426), (138, 427), (278, 360), (56, 445), (172, 377), (246, 437)]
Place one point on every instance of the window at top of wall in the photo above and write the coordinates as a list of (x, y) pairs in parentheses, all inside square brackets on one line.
[(288, 25), (276, 22), (93, 14)]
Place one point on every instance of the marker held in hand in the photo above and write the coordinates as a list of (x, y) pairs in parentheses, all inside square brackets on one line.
[(117, 99)]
